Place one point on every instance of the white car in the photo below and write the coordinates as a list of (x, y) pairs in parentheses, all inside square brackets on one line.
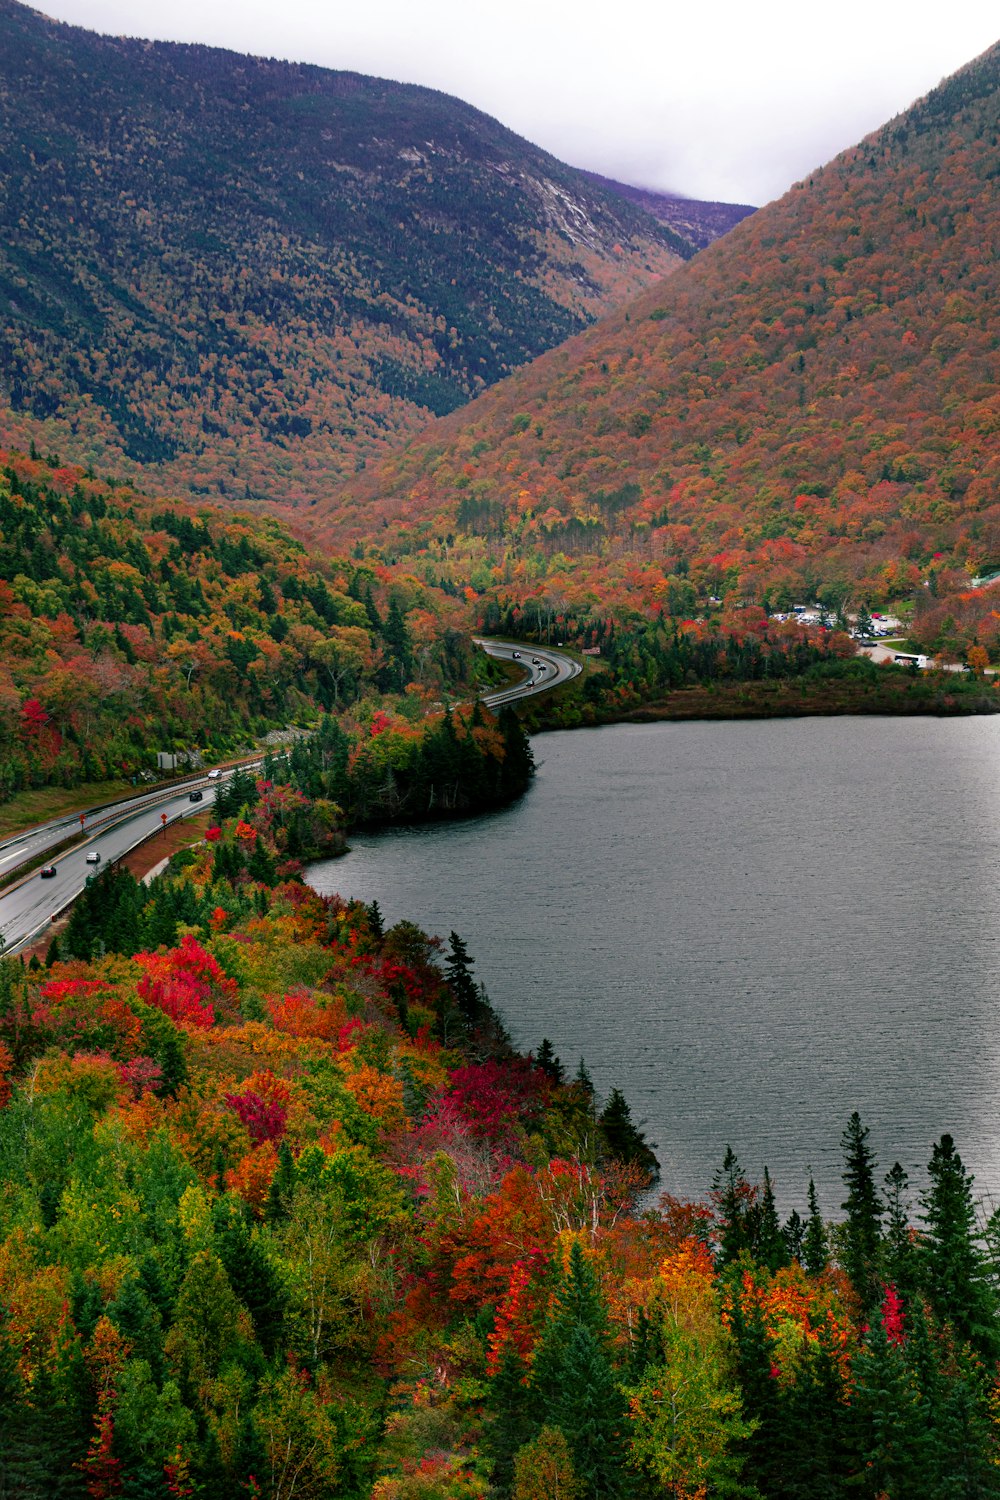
[(93, 858)]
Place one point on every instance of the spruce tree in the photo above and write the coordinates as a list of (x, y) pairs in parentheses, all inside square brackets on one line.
[(861, 1233), (767, 1244), (793, 1233), (812, 1425), (549, 1063), (733, 1198), (889, 1433), (575, 1383), (900, 1260), (624, 1140), (458, 977), (815, 1245), (954, 1264), (512, 1419)]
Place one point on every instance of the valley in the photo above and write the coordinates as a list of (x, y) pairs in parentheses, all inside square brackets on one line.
[(558, 1057)]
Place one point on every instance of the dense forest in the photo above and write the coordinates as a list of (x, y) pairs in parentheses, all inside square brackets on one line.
[(248, 277), (738, 663), (807, 410), (130, 625), (286, 1215)]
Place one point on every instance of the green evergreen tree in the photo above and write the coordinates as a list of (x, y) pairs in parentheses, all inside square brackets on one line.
[(900, 1258), (254, 1280), (861, 1233), (733, 1199), (812, 1426), (955, 1272), (815, 1245), (512, 1418), (549, 1063), (458, 977), (574, 1381), (279, 1196), (624, 1140), (755, 1364), (767, 1243), (888, 1431), (793, 1233)]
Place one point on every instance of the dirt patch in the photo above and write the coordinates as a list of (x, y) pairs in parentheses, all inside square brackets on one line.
[(179, 835)]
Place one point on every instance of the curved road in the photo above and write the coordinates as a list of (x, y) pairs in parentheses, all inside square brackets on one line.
[(543, 669), (30, 906)]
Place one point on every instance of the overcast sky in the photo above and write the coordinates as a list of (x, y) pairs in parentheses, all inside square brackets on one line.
[(725, 99)]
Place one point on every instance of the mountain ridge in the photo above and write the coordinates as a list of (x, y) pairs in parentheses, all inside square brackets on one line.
[(249, 277), (809, 404)]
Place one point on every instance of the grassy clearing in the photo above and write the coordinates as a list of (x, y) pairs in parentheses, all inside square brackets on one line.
[(38, 806)]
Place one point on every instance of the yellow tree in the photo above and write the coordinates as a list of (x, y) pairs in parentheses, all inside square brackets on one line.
[(686, 1413)]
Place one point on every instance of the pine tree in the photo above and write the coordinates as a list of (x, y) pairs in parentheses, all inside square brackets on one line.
[(793, 1233), (549, 1063), (574, 1381), (861, 1233), (900, 1261), (624, 1140), (815, 1245), (954, 1265), (767, 1244), (458, 977), (733, 1198)]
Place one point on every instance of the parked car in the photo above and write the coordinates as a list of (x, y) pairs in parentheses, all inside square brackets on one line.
[(47, 872), (194, 796), (93, 858)]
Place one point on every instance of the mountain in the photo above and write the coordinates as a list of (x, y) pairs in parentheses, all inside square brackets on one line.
[(811, 406), (695, 222), (251, 276)]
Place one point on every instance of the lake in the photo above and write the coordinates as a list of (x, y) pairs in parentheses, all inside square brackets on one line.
[(751, 928)]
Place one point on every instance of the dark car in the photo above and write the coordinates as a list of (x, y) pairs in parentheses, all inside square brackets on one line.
[(194, 796), (535, 662), (47, 872), (517, 655)]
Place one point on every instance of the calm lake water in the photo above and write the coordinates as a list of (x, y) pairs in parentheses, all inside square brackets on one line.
[(750, 928)]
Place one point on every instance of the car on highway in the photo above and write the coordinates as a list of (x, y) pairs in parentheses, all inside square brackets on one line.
[(516, 655), (93, 858), (214, 775), (194, 796), (47, 872)]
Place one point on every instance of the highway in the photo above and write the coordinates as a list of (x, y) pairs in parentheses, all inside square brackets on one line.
[(543, 669), (30, 906)]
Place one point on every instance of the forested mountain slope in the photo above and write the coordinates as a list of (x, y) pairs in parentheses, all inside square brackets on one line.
[(697, 222), (250, 276), (809, 407), (130, 624)]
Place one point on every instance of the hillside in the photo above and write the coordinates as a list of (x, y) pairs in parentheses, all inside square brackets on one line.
[(130, 625), (284, 1215), (251, 276), (694, 221), (808, 409)]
